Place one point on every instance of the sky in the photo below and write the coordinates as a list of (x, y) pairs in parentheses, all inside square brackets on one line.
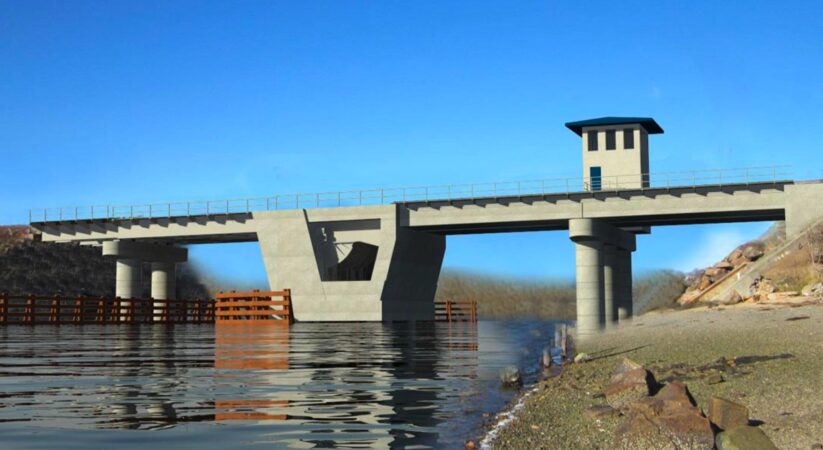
[(134, 102)]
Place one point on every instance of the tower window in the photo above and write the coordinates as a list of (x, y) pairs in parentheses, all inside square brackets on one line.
[(628, 138), (592, 140), (610, 140)]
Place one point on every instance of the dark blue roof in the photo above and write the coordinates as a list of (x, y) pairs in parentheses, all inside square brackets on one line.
[(646, 122)]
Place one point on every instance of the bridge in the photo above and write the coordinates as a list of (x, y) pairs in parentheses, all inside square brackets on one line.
[(376, 255)]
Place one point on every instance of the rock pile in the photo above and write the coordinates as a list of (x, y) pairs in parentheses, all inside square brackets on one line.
[(702, 280), (667, 417), (813, 290)]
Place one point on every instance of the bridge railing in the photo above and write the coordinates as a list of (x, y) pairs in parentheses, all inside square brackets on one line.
[(765, 174)]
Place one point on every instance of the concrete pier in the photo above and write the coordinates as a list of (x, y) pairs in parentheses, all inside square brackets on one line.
[(163, 282), (603, 273), (625, 304), (590, 294), (128, 278), (130, 257), (611, 283)]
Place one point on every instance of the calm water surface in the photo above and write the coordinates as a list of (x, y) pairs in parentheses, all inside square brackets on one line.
[(333, 385)]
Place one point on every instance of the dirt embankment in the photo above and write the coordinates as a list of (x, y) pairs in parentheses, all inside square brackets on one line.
[(28, 266)]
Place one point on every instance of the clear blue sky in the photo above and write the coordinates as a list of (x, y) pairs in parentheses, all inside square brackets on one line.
[(120, 102)]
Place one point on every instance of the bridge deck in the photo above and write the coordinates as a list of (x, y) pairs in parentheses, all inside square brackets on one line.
[(735, 202)]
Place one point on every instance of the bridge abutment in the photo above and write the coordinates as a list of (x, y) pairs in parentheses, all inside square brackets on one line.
[(603, 274), (352, 264)]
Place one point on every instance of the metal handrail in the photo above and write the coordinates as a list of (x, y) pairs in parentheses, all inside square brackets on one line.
[(746, 175)]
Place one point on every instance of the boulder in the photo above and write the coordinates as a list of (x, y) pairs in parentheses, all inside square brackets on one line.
[(629, 386), (812, 289), (601, 411), (510, 376), (731, 298), (737, 253), (744, 438), (723, 265), (668, 421), (689, 297), (753, 252), (726, 414), (765, 286), (705, 281), (582, 357), (716, 272), (739, 261), (626, 365)]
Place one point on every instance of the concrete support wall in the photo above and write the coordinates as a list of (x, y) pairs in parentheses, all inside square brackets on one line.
[(300, 246), (804, 207)]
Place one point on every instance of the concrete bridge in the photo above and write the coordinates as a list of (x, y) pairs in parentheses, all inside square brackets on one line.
[(376, 255), (382, 262)]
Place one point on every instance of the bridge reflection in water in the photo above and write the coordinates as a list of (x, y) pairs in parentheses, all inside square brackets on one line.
[(347, 385)]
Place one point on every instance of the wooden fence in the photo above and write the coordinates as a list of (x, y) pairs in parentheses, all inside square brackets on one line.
[(455, 311), (31, 310), (259, 307)]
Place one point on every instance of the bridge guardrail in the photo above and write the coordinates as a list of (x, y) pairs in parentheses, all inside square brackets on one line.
[(366, 197)]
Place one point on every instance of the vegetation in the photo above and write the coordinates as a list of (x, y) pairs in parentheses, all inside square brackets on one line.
[(657, 290), (801, 265), (499, 297), (31, 267)]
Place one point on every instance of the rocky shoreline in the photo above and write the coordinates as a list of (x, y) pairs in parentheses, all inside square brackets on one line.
[(683, 380)]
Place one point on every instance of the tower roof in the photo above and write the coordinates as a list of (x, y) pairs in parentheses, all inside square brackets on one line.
[(646, 122)]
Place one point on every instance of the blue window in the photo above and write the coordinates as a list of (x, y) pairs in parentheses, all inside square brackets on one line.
[(595, 178)]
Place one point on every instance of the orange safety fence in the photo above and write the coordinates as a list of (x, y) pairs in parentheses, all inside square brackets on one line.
[(455, 311), (32, 309), (253, 307)]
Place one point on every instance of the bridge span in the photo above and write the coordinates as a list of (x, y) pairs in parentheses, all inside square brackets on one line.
[(367, 262)]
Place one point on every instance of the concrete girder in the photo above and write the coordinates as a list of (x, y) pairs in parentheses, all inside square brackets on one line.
[(145, 251), (587, 229)]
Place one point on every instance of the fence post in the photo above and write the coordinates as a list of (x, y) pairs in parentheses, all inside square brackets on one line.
[(29, 310)]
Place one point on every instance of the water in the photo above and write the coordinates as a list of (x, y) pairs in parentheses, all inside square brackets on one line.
[(330, 385)]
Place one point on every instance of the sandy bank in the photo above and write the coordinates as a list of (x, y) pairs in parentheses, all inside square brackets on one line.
[(777, 371)]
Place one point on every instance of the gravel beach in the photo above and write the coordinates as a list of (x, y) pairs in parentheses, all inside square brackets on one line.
[(767, 357)]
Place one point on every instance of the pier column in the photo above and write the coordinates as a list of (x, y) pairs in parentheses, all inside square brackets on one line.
[(130, 256), (128, 278), (163, 286), (625, 306), (611, 281), (602, 285), (163, 283), (590, 294)]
